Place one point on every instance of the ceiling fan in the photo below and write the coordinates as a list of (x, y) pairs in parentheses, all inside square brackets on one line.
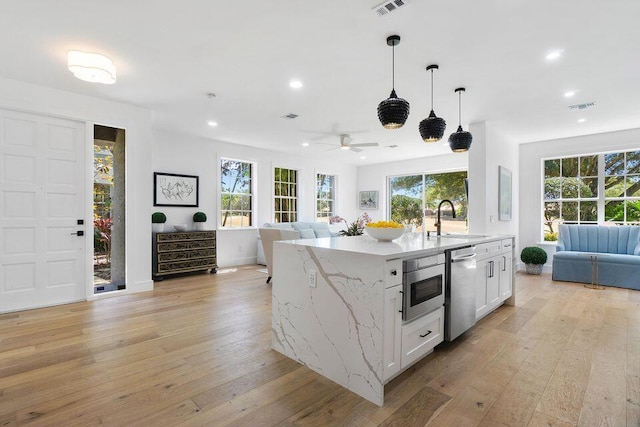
[(345, 144)]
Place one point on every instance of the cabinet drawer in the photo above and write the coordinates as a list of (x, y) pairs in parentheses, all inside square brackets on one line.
[(190, 265), (393, 273), (185, 255), (186, 245), (189, 235), (486, 250), (507, 245), (421, 336)]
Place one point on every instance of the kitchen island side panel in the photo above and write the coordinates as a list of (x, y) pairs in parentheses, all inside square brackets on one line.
[(334, 328)]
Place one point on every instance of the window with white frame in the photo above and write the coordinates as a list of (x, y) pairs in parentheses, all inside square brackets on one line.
[(285, 198), (622, 187), (591, 189), (236, 193), (325, 197)]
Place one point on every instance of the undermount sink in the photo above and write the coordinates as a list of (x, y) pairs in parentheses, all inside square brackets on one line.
[(463, 236)]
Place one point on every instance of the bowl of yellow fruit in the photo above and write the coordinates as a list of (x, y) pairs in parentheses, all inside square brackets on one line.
[(384, 231)]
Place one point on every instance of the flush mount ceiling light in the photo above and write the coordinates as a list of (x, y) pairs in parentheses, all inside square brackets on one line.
[(460, 140), (91, 67), (432, 128), (393, 111)]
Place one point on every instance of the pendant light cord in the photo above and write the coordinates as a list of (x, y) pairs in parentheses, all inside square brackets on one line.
[(432, 89), (393, 67), (460, 108)]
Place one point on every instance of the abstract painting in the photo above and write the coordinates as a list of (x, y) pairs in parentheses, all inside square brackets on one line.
[(170, 189)]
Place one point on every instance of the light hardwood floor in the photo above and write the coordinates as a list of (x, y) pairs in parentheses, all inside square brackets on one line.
[(196, 351)]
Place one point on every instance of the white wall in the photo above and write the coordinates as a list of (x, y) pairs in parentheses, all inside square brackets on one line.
[(531, 169), (15, 95), (190, 155), (489, 150), (374, 177)]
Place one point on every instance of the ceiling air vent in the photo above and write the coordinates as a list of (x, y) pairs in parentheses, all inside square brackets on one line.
[(289, 116), (387, 7), (582, 106)]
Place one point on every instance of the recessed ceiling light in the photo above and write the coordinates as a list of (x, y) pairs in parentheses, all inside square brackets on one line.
[(295, 84), (344, 147), (212, 123), (569, 94), (363, 157), (305, 144), (582, 120), (554, 54)]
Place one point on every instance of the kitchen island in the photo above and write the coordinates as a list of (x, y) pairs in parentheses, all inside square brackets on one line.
[(337, 304)]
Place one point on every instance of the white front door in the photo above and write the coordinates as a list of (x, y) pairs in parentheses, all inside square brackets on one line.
[(42, 196)]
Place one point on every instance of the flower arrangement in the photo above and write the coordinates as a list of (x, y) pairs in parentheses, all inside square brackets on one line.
[(356, 228)]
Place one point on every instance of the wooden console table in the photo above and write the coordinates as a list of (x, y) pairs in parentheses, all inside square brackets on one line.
[(183, 252)]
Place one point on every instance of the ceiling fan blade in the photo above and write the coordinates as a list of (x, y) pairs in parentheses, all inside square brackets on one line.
[(366, 144), (355, 150)]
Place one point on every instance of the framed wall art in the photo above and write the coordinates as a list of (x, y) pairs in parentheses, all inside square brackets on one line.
[(504, 194), (170, 189), (368, 200)]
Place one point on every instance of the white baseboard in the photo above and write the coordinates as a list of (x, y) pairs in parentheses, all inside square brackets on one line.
[(237, 261)]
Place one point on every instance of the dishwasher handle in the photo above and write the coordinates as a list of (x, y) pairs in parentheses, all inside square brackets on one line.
[(463, 258)]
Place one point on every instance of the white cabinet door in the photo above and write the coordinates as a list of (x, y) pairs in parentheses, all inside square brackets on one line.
[(482, 274), (506, 266), (392, 334), (487, 285), (493, 282), (42, 196)]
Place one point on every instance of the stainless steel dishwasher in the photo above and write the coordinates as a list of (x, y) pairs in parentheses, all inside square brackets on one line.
[(460, 295)]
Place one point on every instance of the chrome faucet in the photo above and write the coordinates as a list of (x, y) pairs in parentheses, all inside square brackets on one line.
[(438, 224)]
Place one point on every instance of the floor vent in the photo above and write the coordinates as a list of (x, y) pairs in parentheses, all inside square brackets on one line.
[(387, 7), (289, 116), (582, 106)]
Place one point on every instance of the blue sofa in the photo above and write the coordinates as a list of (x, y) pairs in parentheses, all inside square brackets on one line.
[(617, 249)]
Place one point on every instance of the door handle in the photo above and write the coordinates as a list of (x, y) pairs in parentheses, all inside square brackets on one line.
[(78, 233), (504, 263), (490, 268), (422, 336)]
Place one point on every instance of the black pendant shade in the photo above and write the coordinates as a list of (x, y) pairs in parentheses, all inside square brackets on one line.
[(432, 128), (460, 140), (393, 111)]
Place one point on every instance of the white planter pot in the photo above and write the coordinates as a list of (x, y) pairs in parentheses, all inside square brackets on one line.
[(533, 268), (199, 226), (157, 228)]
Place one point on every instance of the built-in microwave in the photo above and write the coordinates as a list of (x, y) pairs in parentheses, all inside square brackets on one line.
[(423, 284)]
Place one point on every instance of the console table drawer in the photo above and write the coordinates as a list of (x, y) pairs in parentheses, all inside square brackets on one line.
[(184, 251)]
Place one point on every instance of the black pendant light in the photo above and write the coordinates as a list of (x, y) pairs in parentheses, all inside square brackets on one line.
[(432, 128), (393, 111), (460, 140)]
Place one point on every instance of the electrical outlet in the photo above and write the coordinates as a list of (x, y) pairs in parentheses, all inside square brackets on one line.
[(312, 278)]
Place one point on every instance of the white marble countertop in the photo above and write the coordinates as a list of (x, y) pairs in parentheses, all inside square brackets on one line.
[(406, 245)]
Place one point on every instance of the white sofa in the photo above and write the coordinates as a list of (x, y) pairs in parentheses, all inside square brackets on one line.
[(307, 230)]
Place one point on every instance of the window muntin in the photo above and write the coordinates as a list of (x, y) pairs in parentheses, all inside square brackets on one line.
[(573, 195), (411, 196), (622, 187), (285, 198), (325, 197), (236, 193)]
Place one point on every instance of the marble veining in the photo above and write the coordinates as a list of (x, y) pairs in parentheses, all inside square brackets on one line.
[(331, 328)]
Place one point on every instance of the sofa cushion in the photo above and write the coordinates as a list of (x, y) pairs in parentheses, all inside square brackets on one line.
[(602, 258), (280, 225), (321, 229), (307, 233), (602, 239)]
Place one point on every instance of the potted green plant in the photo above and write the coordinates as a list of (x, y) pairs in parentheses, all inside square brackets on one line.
[(157, 221), (199, 218), (533, 258)]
